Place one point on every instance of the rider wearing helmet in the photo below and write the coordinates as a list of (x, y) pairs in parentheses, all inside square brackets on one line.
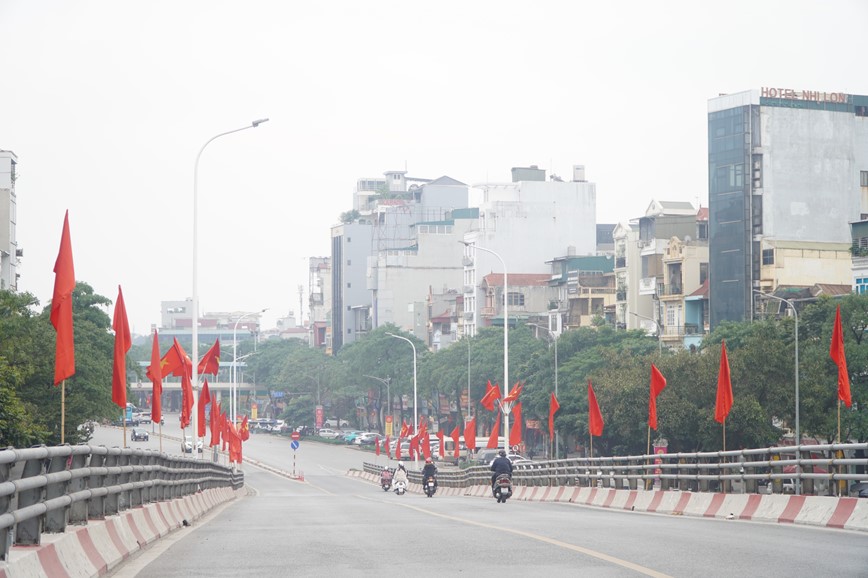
[(500, 465), (400, 474), (429, 471)]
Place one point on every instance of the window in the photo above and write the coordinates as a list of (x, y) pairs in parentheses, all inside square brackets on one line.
[(863, 178), (349, 285), (349, 262), (768, 256), (515, 299)]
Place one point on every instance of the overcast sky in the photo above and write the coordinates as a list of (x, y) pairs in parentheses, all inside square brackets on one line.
[(107, 103)]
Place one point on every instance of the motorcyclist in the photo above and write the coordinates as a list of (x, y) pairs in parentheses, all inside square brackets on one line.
[(386, 477), (500, 465), (400, 474), (429, 471)]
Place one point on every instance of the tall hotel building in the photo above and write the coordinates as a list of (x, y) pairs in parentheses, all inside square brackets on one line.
[(787, 174)]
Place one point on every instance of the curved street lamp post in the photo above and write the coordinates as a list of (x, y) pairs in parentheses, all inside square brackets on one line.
[(195, 348), (415, 394), (798, 434)]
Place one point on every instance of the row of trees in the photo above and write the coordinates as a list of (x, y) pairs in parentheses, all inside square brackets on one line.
[(761, 357)]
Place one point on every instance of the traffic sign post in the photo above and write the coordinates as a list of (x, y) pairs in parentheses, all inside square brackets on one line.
[(294, 445), (295, 437)]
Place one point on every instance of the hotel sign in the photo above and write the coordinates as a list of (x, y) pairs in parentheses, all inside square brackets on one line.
[(808, 95)]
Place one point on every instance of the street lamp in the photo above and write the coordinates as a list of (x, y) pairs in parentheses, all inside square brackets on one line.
[(195, 348), (415, 396), (554, 337), (657, 327), (798, 438), (234, 398), (504, 407)]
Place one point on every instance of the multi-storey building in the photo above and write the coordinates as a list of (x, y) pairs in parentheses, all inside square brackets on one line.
[(9, 250), (320, 302), (788, 173), (521, 225)]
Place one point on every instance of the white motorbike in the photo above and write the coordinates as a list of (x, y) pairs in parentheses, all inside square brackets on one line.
[(400, 487), (502, 488)]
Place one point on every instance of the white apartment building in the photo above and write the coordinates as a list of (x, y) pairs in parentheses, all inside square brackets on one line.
[(9, 250)]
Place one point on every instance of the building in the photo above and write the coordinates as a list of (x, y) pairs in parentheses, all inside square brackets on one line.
[(351, 298), (524, 223), (320, 302), (788, 173), (9, 250)]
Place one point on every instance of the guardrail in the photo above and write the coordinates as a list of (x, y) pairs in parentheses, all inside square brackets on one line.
[(764, 470), (44, 489)]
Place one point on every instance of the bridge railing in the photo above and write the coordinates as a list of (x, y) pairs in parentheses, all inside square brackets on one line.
[(821, 469), (44, 489)]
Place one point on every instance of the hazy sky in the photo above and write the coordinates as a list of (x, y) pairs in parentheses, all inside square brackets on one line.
[(107, 103)]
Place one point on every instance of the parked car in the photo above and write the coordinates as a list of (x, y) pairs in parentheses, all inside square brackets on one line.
[(334, 422), (187, 446), (139, 435), (329, 434), (366, 439), (351, 435), (859, 490)]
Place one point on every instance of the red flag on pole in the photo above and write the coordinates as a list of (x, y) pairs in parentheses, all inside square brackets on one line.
[(176, 362), (595, 418), (186, 400), (215, 425), (456, 436), (377, 445), (513, 393), (441, 450), (405, 429), (495, 434), (61, 307), (123, 341), (836, 352), (155, 374), (724, 387), (210, 362), (398, 448), (470, 434), (204, 399), (515, 428), (658, 383), (244, 432), (388, 444), (492, 394), (554, 406)]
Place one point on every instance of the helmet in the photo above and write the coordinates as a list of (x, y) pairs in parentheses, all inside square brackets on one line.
[(502, 453), (428, 461), (401, 465)]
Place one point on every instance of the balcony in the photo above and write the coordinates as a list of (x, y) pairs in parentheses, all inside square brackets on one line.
[(671, 289), (488, 311)]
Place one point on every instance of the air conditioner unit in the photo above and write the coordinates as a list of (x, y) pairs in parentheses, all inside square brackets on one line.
[(469, 289)]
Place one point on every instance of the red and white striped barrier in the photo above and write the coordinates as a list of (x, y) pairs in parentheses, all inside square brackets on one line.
[(98, 547)]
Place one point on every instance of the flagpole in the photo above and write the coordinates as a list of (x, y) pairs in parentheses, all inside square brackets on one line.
[(648, 453), (63, 412)]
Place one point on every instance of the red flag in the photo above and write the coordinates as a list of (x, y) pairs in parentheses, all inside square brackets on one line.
[(595, 418), (123, 341), (492, 394), (210, 362), (470, 434), (377, 445), (388, 447), (515, 428), (398, 448), (658, 383), (554, 406), (234, 444), (175, 361), (836, 352), (244, 432), (456, 436), (405, 429), (155, 375), (426, 445), (204, 399), (61, 307), (495, 434), (724, 387), (442, 449), (513, 393), (186, 400), (224, 430), (215, 425)]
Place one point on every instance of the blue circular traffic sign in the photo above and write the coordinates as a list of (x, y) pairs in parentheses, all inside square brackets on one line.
[(293, 444)]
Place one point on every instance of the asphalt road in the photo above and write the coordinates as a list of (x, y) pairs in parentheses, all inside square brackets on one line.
[(332, 524)]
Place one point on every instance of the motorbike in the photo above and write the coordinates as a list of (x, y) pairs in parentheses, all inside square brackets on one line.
[(430, 486), (386, 480), (400, 487), (502, 488)]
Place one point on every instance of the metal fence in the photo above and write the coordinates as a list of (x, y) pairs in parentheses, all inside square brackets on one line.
[(809, 469), (44, 489)]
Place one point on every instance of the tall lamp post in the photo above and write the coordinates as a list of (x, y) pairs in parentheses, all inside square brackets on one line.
[(798, 433), (657, 326), (415, 395), (234, 399), (195, 347), (555, 341), (505, 407)]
